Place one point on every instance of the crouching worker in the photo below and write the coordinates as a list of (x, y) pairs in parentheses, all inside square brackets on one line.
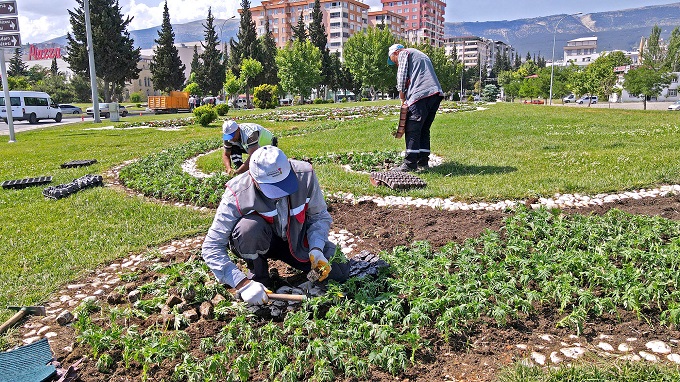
[(241, 139), (274, 211)]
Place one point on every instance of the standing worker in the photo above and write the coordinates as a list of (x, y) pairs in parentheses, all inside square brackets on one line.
[(419, 90), (275, 211), (241, 139)]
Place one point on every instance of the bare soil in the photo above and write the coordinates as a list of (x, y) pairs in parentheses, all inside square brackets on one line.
[(477, 357)]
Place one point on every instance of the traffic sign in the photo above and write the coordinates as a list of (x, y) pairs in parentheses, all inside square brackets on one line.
[(8, 8), (9, 24), (10, 40)]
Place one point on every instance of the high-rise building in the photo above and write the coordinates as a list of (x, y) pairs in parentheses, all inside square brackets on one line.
[(424, 19), (473, 50), (341, 19), (394, 22)]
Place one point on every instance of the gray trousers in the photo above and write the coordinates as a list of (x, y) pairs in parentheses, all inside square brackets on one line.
[(255, 241)]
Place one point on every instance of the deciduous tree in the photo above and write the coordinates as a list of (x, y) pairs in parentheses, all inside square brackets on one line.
[(299, 68), (366, 58), (646, 81)]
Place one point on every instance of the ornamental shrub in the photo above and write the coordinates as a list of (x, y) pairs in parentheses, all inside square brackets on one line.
[(265, 96), (136, 97), (205, 115), (222, 109)]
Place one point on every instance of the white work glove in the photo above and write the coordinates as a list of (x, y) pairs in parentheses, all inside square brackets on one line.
[(254, 293), (319, 263)]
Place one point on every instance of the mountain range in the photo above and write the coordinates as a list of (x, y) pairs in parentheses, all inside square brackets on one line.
[(620, 29)]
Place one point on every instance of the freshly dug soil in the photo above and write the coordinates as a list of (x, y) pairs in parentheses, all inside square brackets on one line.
[(478, 357)]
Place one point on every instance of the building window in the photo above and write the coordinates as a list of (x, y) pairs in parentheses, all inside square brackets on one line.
[(335, 35), (335, 44), (335, 15), (351, 17), (351, 7), (414, 17), (335, 25), (672, 92), (674, 79)]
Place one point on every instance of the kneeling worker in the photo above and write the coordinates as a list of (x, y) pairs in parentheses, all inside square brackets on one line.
[(241, 139), (274, 211)]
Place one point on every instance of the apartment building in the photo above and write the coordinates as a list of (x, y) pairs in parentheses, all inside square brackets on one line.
[(581, 51), (424, 19), (470, 50), (341, 19), (394, 22)]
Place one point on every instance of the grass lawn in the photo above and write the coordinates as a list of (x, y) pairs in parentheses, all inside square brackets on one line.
[(507, 151)]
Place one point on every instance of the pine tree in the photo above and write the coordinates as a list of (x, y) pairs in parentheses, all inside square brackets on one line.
[(115, 56), (299, 32), (17, 67), (317, 34), (167, 70), (212, 74), (54, 69)]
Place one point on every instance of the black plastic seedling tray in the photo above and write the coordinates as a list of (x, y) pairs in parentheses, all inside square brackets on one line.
[(78, 163), (26, 182), (397, 180)]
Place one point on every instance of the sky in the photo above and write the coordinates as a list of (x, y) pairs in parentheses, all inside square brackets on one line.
[(39, 22)]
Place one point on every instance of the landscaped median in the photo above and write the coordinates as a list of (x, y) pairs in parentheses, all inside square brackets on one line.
[(542, 265)]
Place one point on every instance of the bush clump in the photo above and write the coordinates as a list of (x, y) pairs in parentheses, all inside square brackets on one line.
[(265, 96), (205, 115), (222, 109)]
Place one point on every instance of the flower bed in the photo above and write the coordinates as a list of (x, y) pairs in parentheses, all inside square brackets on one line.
[(161, 176), (160, 123)]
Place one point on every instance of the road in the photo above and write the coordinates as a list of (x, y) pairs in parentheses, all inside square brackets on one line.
[(21, 126)]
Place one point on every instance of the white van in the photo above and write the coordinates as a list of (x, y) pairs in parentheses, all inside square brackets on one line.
[(30, 106)]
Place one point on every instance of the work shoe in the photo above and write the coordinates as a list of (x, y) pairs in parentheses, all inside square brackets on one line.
[(423, 167), (404, 168)]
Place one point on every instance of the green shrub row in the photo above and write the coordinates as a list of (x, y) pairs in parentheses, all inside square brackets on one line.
[(161, 176)]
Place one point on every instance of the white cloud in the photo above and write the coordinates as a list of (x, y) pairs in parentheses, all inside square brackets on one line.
[(181, 11), (40, 23), (39, 29)]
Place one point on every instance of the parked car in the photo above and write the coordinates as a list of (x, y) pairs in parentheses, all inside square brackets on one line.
[(675, 106), (584, 99), (569, 98), (70, 109), (105, 112), (30, 106)]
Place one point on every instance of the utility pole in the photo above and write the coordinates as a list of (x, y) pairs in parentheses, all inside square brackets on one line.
[(90, 53)]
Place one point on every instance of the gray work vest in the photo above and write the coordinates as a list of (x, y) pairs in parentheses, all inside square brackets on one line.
[(423, 80), (249, 200)]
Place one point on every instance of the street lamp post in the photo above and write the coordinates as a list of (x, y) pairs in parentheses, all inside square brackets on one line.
[(552, 66)]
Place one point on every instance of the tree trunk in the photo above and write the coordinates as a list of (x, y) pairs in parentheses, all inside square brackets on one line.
[(644, 103), (107, 92)]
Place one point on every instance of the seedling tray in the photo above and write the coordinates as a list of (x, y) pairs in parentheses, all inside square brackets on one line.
[(78, 163), (397, 180), (64, 190), (26, 182)]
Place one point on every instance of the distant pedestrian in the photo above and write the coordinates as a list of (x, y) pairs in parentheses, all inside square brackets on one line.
[(192, 103), (420, 91)]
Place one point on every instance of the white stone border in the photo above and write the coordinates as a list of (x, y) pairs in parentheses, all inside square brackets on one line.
[(557, 201)]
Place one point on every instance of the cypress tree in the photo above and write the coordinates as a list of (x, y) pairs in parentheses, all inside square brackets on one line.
[(167, 70), (17, 67), (54, 69), (247, 36), (317, 34), (115, 56), (269, 74), (299, 32), (212, 74)]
